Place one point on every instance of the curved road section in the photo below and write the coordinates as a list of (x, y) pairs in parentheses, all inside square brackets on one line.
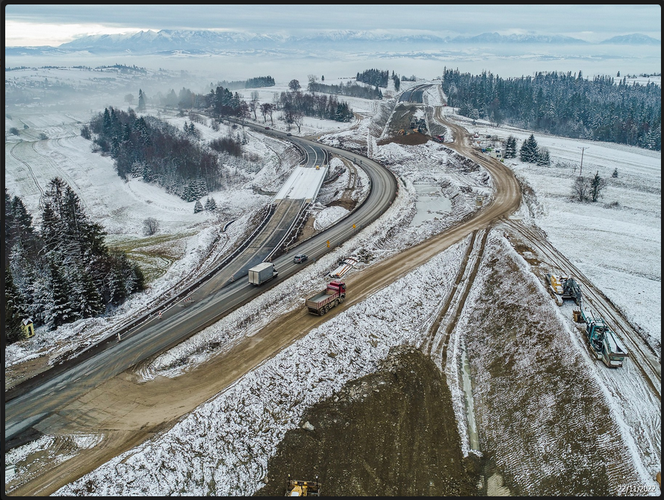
[(127, 413), (38, 403)]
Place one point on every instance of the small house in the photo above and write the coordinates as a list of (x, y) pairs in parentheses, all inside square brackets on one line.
[(28, 328)]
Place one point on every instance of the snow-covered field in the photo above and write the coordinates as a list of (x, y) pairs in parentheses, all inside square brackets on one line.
[(617, 241), (222, 448)]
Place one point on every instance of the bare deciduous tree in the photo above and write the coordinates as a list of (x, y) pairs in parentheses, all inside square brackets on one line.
[(252, 107), (150, 226), (266, 110), (298, 119), (580, 189), (294, 85)]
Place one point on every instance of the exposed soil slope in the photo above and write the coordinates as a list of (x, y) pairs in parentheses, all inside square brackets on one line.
[(388, 433)]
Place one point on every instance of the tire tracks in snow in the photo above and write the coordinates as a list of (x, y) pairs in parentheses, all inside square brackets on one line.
[(215, 375), (29, 168), (464, 283)]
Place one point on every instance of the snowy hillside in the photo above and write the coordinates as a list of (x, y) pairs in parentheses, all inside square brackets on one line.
[(222, 448)]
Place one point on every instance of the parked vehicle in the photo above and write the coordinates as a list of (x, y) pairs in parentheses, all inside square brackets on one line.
[(298, 488), (298, 259), (261, 273), (334, 294), (564, 287), (603, 342)]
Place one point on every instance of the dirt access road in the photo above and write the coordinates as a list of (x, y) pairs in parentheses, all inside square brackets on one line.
[(125, 413)]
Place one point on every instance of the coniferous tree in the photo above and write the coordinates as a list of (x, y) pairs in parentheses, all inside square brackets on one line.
[(69, 276), (21, 219), (22, 268), (210, 204), (13, 330), (124, 279), (40, 294), (543, 158), (141, 101), (86, 299), (18, 226), (529, 150), (510, 147), (49, 227), (198, 207), (58, 310), (116, 286), (563, 104), (597, 185)]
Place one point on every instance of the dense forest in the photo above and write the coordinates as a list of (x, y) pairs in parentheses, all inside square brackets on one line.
[(158, 152), (562, 104), (294, 105), (221, 102), (374, 77), (62, 271), (260, 81), (349, 89)]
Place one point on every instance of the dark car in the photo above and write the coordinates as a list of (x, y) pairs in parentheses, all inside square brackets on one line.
[(267, 128), (289, 134), (298, 259)]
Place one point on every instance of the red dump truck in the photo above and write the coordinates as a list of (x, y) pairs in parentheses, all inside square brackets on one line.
[(334, 294)]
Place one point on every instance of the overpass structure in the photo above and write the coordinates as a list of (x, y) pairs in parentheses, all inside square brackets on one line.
[(33, 406), (303, 184)]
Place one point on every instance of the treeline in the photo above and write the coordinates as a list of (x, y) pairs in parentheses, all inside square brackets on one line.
[(220, 101), (156, 151), (374, 77), (260, 81), (349, 89), (62, 271), (124, 68), (328, 107), (562, 104)]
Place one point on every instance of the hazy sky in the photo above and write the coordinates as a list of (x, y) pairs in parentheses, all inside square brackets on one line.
[(50, 24)]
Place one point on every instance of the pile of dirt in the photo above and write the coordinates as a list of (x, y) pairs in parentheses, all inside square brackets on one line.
[(392, 432), (411, 139)]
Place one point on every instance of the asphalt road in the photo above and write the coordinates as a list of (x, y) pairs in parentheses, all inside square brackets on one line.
[(414, 94), (126, 412), (37, 403)]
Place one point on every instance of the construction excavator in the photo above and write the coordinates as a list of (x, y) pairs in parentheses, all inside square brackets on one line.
[(564, 287), (603, 341), (297, 488)]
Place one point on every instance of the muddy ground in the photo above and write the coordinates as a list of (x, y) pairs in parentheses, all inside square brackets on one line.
[(389, 433)]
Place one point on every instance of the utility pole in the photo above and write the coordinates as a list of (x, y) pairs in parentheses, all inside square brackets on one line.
[(582, 150)]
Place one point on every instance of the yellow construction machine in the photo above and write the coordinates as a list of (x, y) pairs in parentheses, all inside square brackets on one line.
[(298, 488)]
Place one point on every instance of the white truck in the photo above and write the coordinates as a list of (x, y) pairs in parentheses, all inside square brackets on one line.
[(261, 273)]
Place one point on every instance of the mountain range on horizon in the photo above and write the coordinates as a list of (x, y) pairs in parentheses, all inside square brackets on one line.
[(210, 41)]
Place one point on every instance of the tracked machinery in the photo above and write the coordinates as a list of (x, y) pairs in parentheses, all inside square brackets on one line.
[(602, 341), (564, 287), (298, 488)]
